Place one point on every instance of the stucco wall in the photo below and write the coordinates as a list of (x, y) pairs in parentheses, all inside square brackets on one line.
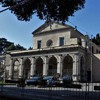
[(54, 37)]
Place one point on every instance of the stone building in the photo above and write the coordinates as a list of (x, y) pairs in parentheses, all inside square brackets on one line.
[(57, 48)]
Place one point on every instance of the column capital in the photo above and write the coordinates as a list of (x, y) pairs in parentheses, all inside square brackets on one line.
[(46, 56), (60, 55), (11, 59), (33, 57)]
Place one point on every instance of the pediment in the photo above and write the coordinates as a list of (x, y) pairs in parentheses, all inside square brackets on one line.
[(49, 26)]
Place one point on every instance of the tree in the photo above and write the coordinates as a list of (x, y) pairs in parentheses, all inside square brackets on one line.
[(11, 47), (30, 48), (57, 10), (5, 45), (19, 47), (96, 39)]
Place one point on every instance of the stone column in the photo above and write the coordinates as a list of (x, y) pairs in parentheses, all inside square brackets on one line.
[(33, 66), (76, 68), (59, 65), (21, 68), (45, 66), (11, 69)]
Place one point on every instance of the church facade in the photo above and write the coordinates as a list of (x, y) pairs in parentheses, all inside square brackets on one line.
[(59, 49)]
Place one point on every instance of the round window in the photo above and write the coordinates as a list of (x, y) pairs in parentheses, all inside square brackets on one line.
[(49, 43)]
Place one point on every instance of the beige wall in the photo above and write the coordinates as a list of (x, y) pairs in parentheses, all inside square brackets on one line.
[(54, 37), (71, 35)]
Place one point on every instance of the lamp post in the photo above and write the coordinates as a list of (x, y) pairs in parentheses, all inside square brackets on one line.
[(91, 61)]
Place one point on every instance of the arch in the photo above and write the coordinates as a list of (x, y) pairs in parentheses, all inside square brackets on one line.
[(16, 69), (39, 66), (52, 66), (67, 66), (26, 68)]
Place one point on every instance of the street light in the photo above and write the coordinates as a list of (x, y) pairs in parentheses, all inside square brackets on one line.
[(91, 61)]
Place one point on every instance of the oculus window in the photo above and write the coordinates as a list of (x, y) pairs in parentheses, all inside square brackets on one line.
[(49, 43)]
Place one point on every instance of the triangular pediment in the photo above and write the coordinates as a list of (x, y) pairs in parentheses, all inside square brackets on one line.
[(49, 26)]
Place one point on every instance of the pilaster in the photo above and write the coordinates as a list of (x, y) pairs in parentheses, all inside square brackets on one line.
[(11, 69), (45, 66), (21, 68), (59, 66), (76, 68), (33, 66)]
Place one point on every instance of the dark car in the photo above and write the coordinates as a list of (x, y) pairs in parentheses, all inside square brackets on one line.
[(1, 78), (67, 80), (20, 82), (48, 81), (35, 80)]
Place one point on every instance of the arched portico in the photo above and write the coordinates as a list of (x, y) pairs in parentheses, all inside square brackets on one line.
[(82, 69), (26, 68), (16, 69), (39, 66), (67, 66), (49, 65), (52, 66)]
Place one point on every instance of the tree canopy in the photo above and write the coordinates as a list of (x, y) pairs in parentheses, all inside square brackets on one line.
[(96, 39), (57, 10), (6, 45)]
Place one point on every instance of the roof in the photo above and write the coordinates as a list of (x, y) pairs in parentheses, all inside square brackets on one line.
[(50, 25)]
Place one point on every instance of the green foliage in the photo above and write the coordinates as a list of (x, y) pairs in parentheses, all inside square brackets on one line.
[(8, 46), (57, 10), (96, 39), (30, 48), (11, 47), (19, 47)]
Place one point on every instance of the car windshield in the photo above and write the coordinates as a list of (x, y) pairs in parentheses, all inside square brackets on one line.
[(48, 77), (66, 77), (35, 78)]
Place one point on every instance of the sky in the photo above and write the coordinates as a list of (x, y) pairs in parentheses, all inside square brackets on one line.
[(87, 21)]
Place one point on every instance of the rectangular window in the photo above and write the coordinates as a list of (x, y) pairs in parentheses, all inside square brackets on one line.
[(61, 41), (39, 44)]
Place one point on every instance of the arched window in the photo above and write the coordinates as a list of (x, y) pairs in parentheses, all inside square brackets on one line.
[(26, 69), (52, 70), (39, 66), (67, 66)]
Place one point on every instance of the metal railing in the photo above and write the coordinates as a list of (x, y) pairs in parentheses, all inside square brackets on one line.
[(75, 91)]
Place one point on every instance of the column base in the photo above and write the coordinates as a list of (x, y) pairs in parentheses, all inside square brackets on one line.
[(76, 78), (20, 76), (10, 77)]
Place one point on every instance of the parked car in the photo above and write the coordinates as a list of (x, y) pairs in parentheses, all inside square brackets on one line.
[(35, 80), (67, 80), (59, 82), (1, 78), (48, 81), (20, 82)]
